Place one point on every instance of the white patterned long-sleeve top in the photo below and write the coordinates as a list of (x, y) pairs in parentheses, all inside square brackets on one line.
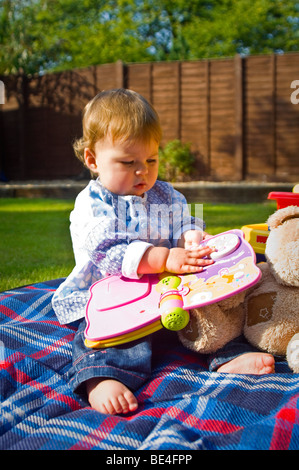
[(110, 235)]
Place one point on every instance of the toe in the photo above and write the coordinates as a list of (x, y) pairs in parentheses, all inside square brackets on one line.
[(131, 400)]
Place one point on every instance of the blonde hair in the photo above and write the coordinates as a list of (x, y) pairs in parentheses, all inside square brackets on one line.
[(120, 113)]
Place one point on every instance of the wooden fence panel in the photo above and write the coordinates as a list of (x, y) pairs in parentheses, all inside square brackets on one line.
[(166, 97), (287, 117), (139, 78), (222, 119), (259, 78), (195, 124), (236, 113), (110, 76)]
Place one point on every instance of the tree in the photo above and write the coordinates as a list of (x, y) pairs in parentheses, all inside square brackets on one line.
[(201, 28), (245, 27), (42, 35)]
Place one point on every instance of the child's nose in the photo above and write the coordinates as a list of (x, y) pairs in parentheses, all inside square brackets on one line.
[(142, 169)]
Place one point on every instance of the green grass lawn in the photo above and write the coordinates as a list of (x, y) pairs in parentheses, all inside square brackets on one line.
[(34, 240), (35, 244)]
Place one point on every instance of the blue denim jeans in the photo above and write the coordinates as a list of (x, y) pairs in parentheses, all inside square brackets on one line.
[(130, 363), (231, 350)]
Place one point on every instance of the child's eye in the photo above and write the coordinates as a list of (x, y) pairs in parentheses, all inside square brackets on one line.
[(130, 163), (151, 160)]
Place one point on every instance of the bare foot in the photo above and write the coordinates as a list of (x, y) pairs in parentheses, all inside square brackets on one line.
[(250, 363), (109, 396)]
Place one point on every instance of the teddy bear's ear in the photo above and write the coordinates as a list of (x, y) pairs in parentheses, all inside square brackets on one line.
[(280, 216)]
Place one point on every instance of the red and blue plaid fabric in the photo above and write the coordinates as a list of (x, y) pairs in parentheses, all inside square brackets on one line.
[(184, 406)]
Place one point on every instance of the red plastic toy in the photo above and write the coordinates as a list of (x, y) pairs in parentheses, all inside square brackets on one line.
[(284, 199)]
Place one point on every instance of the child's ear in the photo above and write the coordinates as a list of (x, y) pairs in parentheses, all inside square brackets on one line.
[(90, 160)]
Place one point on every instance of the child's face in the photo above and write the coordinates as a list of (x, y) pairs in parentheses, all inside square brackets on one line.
[(125, 168)]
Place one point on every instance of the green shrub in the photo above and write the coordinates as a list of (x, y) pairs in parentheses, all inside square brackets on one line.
[(176, 161)]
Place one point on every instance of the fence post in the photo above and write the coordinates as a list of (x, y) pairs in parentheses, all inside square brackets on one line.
[(239, 119), (120, 71), (179, 101), (2, 141), (274, 116), (23, 109), (208, 116)]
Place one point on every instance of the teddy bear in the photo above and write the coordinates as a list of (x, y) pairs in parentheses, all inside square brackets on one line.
[(211, 327), (268, 312), (272, 306)]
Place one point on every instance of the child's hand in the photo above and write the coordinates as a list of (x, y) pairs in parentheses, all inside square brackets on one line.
[(192, 238), (176, 260), (181, 260)]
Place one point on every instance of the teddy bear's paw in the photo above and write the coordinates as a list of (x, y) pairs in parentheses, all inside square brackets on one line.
[(293, 353)]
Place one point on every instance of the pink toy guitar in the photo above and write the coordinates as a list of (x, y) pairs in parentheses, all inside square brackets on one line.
[(121, 309)]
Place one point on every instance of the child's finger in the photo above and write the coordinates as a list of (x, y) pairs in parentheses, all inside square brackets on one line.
[(186, 269), (200, 252), (198, 261), (204, 262)]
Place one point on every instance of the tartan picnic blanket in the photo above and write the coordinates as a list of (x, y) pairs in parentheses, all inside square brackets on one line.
[(183, 407)]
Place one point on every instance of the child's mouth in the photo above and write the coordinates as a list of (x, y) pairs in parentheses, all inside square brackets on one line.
[(140, 185)]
